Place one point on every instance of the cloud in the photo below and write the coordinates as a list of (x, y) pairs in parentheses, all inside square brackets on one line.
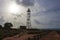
[(1, 20), (48, 4), (45, 13), (26, 2), (37, 22), (48, 20)]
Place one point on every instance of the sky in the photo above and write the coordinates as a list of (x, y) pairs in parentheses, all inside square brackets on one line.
[(44, 13)]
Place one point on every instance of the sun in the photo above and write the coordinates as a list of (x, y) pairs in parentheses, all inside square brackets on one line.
[(13, 8)]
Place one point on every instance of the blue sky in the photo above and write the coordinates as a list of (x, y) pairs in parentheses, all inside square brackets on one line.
[(45, 13)]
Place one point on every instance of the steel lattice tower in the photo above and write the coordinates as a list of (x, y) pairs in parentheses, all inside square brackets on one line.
[(28, 18)]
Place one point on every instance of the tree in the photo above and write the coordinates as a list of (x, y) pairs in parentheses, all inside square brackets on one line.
[(0, 26), (8, 25)]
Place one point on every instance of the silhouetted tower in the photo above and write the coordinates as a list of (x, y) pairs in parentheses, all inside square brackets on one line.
[(28, 19)]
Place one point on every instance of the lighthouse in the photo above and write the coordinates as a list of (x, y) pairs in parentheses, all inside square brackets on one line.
[(28, 18)]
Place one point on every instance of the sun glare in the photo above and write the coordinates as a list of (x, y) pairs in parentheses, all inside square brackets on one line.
[(13, 8)]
